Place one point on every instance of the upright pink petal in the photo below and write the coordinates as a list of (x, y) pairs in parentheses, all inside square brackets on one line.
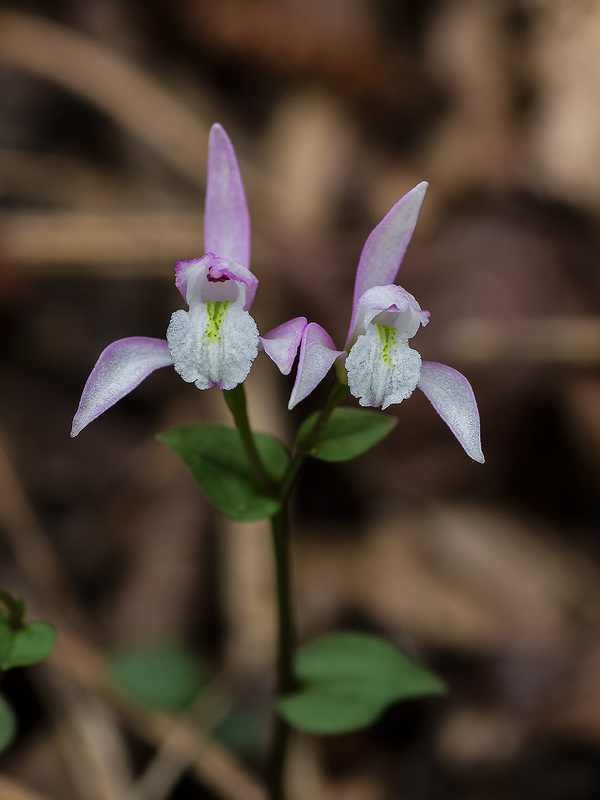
[(451, 395), (226, 220), (384, 249), (317, 354), (282, 343), (122, 366)]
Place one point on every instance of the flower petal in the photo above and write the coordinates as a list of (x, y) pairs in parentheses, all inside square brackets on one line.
[(451, 395), (213, 344), (282, 343), (189, 270), (122, 366), (226, 220), (317, 354), (403, 311), (382, 368), (386, 245), (215, 278)]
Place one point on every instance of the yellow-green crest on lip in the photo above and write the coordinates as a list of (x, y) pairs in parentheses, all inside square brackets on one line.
[(387, 335), (215, 316)]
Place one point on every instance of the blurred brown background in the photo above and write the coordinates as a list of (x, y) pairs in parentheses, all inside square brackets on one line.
[(491, 575)]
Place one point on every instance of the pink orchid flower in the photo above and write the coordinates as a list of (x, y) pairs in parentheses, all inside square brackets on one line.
[(378, 363), (216, 340)]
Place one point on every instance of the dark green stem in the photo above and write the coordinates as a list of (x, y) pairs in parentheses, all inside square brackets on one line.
[(285, 638), (15, 607), (236, 400), (337, 394), (279, 531), (285, 647)]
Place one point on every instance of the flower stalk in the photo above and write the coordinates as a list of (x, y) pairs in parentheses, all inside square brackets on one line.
[(285, 649), (236, 400), (336, 396)]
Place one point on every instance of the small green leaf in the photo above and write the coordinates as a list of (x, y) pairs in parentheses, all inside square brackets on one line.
[(8, 724), (348, 680), (28, 645), (215, 456), (163, 676), (349, 432)]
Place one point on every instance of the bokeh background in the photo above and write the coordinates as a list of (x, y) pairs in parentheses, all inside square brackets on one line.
[(490, 575)]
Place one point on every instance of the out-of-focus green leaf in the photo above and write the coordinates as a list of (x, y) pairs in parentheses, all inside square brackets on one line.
[(28, 645), (165, 677), (348, 679)]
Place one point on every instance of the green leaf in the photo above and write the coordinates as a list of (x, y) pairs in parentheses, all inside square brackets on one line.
[(8, 724), (215, 456), (22, 645), (349, 432), (28, 645), (348, 680), (163, 676)]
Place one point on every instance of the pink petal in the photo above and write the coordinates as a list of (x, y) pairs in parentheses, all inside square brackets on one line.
[(281, 344), (122, 366), (386, 245), (388, 298), (214, 278), (451, 395), (246, 280), (186, 268), (317, 354), (226, 220)]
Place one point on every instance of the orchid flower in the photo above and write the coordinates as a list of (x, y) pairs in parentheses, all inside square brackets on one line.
[(378, 363), (216, 340)]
